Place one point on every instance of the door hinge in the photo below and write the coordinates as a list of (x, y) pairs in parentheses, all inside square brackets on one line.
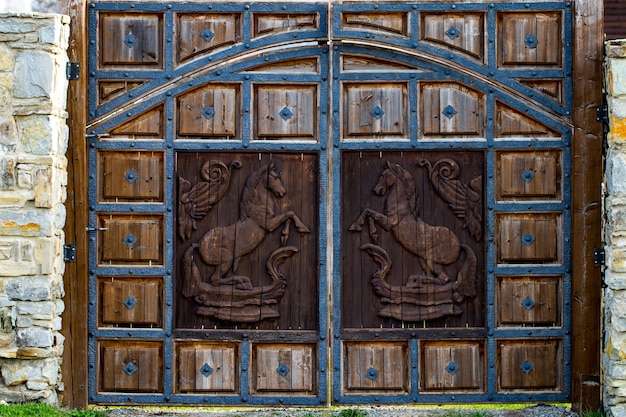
[(602, 114), (69, 252), (599, 257), (72, 71)]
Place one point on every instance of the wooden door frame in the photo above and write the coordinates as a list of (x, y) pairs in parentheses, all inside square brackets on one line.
[(587, 170)]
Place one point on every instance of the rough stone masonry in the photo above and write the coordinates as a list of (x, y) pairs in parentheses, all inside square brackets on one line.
[(33, 180)]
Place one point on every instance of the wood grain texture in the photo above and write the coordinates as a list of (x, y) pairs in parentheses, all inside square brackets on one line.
[(452, 366), (530, 365), (130, 366), (376, 367), (289, 369), (207, 367), (529, 301), (130, 40)]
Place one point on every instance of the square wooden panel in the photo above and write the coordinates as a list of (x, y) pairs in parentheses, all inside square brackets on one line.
[(212, 111), (130, 40), (130, 366), (529, 238), (198, 34), (452, 366), (130, 301), (451, 109), (528, 175), (282, 368), (529, 39), (370, 367), (286, 112), (529, 301), (207, 367), (130, 240), (130, 176), (463, 32), (375, 111), (535, 365)]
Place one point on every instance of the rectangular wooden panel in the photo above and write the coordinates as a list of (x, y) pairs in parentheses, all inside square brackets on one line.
[(130, 39), (460, 31), (131, 366), (529, 39), (528, 175), (125, 301), (286, 112), (130, 176), (271, 24), (451, 109), (371, 367), (130, 239), (392, 23), (452, 365), (375, 110), (211, 111), (535, 365), (529, 238), (202, 33), (286, 368), (529, 301), (204, 367)]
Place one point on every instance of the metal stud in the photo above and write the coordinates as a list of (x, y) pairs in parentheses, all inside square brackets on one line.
[(207, 35), (449, 111), (528, 239), (528, 303), (206, 370), (452, 368), (453, 33), (531, 41), (282, 370), (130, 302), (377, 112), (372, 374), (130, 40), (527, 367), (286, 113)]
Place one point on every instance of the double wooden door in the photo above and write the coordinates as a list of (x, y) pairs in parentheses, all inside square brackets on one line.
[(303, 203)]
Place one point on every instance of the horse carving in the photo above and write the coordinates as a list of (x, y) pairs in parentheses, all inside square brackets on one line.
[(223, 246), (435, 246)]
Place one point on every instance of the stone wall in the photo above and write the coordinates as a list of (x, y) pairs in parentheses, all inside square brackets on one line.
[(33, 179)]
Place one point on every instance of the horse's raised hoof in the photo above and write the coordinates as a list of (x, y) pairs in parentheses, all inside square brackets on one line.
[(355, 228)]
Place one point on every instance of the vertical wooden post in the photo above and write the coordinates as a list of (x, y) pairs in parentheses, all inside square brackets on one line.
[(76, 283), (586, 174)]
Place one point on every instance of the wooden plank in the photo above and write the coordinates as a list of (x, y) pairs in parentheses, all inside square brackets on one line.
[(460, 31), (126, 301), (131, 176), (211, 111), (283, 112), (450, 109), (130, 40), (528, 238), (283, 368), (529, 301), (131, 366), (529, 39), (586, 176), (452, 366), (199, 34), (75, 316), (149, 124), (530, 366), (270, 24), (393, 23), (131, 239), (371, 367), (375, 110), (528, 175)]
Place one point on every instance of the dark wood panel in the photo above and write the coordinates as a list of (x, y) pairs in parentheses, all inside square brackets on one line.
[(211, 111), (452, 366), (198, 34), (289, 369), (529, 301), (309, 65), (111, 89), (510, 122), (371, 367), (130, 239), (130, 366), (530, 365), (528, 175), (130, 301), (270, 285), (130, 39), (460, 31), (130, 176), (530, 39), (550, 88), (451, 109), (207, 367), (422, 264), (529, 238)]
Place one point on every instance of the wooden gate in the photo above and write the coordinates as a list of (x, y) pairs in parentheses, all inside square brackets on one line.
[(303, 203)]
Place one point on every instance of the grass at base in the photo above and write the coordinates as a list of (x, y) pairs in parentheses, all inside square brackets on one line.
[(44, 410)]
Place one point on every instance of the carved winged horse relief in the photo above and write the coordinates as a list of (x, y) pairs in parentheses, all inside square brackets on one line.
[(431, 294), (224, 246)]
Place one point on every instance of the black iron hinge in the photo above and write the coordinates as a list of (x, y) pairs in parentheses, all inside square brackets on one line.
[(72, 71), (599, 257), (602, 114), (69, 252)]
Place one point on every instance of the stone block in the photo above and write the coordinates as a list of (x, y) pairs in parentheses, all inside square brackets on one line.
[(27, 223), (44, 310), (614, 280), (34, 74), (616, 259), (43, 188), (35, 337), (37, 353), (8, 131), (7, 320), (616, 172), (7, 58), (7, 340), (30, 288), (15, 24), (7, 173), (25, 176), (47, 252), (35, 134)]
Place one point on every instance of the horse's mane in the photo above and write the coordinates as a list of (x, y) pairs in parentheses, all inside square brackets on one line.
[(249, 190), (409, 185)]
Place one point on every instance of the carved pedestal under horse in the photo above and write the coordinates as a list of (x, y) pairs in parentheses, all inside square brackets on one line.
[(435, 246), (223, 246)]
